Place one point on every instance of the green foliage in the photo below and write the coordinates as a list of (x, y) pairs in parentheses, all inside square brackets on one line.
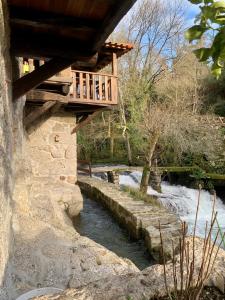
[(211, 19)]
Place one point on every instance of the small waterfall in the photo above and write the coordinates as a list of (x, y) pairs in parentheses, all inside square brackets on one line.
[(183, 201)]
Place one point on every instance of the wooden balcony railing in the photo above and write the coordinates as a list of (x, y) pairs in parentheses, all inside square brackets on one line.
[(94, 88), (81, 87)]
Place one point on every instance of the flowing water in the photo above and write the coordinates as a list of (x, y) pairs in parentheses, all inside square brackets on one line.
[(183, 201), (96, 223)]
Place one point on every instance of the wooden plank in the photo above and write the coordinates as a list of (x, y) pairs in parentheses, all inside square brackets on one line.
[(31, 65), (36, 96), (114, 64), (106, 89), (114, 89), (94, 73), (39, 111), (100, 87), (75, 90), (94, 88), (81, 86), (88, 85), (45, 26), (50, 18), (28, 82), (59, 79), (92, 102)]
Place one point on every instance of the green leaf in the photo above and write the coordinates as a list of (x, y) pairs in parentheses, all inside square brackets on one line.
[(209, 12), (194, 33), (202, 53), (216, 70), (220, 19), (218, 4)]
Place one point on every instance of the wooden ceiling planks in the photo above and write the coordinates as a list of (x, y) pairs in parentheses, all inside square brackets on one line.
[(63, 28), (90, 9)]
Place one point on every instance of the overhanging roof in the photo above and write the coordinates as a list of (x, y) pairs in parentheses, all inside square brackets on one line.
[(63, 28), (105, 55)]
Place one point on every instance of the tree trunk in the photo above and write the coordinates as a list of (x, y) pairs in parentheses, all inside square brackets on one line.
[(110, 136), (129, 153), (147, 168), (123, 122), (111, 146)]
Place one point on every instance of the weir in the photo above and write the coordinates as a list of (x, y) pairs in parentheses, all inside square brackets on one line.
[(183, 201), (141, 219)]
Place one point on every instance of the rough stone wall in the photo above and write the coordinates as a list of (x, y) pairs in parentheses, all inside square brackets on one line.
[(6, 146), (53, 155)]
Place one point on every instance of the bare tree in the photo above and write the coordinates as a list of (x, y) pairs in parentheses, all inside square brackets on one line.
[(153, 28)]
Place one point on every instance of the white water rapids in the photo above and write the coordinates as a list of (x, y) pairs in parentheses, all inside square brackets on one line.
[(183, 201)]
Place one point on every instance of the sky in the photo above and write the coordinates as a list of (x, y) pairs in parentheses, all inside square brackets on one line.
[(192, 11)]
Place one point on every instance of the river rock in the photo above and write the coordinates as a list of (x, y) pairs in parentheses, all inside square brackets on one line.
[(147, 284)]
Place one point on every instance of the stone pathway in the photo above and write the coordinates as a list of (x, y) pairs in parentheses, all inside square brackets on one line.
[(141, 219)]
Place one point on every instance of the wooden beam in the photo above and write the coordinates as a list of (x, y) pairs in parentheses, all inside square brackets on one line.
[(36, 95), (50, 18), (39, 111), (26, 83), (119, 9), (85, 121), (46, 45), (114, 64)]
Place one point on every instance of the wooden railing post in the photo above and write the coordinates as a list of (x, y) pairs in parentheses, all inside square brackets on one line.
[(31, 64), (106, 89), (81, 85), (100, 86)]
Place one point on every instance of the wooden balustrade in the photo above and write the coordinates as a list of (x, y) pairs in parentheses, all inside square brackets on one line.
[(85, 87), (89, 87)]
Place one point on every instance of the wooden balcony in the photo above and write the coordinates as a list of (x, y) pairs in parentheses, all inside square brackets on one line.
[(75, 87), (93, 88)]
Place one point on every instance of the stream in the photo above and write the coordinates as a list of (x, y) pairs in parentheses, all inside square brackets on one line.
[(96, 223)]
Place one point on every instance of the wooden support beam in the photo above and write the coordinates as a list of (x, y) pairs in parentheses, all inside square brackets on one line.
[(120, 8), (114, 64), (28, 82), (85, 121), (39, 111), (36, 96)]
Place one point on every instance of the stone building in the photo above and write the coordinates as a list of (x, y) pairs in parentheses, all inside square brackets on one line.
[(42, 106)]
